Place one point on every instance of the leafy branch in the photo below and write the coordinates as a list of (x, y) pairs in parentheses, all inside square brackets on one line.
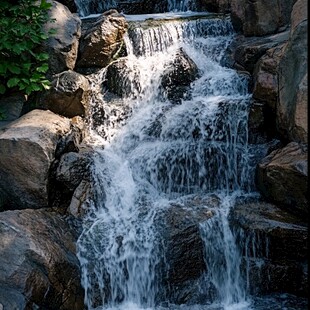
[(23, 65)]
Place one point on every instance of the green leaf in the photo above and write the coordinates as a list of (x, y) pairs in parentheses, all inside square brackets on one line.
[(42, 68), (13, 82)]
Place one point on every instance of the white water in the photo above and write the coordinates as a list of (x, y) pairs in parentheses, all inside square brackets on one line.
[(163, 153)]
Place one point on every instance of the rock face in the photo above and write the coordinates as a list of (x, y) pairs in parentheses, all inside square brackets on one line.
[(102, 40), (275, 248), (292, 116), (68, 95), (250, 50), (39, 269), (27, 148), (259, 18), (282, 177), (62, 47)]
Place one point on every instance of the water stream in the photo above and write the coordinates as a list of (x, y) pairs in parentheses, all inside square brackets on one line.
[(158, 146)]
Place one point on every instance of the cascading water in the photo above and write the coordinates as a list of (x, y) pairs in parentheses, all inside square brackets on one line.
[(167, 150)]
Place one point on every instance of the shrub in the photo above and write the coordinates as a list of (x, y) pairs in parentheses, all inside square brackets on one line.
[(23, 65)]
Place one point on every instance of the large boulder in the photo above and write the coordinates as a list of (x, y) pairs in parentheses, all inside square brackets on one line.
[(292, 108), (62, 47), (68, 95), (282, 178), (260, 17), (27, 149), (274, 244), (101, 40), (39, 267)]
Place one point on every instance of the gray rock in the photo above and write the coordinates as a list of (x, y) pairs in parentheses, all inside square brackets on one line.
[(101, 40), (39, 268), (178, 76), (62, 47), (27, 149), (68, 95)]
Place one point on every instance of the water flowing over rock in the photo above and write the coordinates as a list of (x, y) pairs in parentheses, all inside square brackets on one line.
[(102, 40), (62, 47), (27, 149), (274, 247), (178, 76), (153, 235), (39, 269), (282, 177)]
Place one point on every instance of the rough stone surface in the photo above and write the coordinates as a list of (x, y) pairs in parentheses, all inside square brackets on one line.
[(68, 95), (266, 77), (278, 241), (292, 116), (62, 47), (102, 40), (260, 18), (282, 177), (250, 50), (27, 149), (39, 268)]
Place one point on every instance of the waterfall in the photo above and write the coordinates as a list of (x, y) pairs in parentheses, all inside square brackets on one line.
[(161, 144)]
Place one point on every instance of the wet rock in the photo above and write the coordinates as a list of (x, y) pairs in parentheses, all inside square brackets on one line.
[(123, 78), (68, 96), (178, 76), (257, 124), (260, 18), (27, 149), (292, 116), (282, 177), (62, 47), (183, 248), (39, 268), (275, 247), (102, 40)]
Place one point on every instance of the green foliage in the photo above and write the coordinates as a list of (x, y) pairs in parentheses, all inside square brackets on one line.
[(23, 65)]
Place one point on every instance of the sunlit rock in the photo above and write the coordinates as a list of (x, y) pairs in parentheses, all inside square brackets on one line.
[(27, 149)]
